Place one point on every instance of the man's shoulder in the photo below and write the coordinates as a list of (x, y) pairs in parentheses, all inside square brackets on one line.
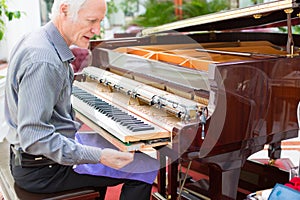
[(39, 49)]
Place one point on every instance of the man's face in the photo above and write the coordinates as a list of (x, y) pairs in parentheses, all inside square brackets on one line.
[(86, 25)]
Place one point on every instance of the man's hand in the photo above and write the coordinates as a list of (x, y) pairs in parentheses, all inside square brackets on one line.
[(115, 159)]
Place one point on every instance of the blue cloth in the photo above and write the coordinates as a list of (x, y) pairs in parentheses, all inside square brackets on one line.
[(143, 168), (282, 192)]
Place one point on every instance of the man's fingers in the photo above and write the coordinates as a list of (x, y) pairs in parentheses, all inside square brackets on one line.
[(115, 159)]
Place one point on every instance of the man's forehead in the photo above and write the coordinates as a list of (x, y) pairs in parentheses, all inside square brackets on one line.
[(92, 8), (93, 5)]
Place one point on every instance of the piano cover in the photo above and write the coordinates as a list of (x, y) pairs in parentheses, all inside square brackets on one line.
[(143, 168)]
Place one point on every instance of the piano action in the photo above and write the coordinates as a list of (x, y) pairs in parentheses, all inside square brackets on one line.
[(200, 90)]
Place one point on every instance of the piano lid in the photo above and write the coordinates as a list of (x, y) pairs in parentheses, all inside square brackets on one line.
[(269, 14)]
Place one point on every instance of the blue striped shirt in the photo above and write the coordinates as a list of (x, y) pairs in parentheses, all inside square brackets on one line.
[(37, 99)]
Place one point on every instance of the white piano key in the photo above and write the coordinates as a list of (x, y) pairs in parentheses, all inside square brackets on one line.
[(132, 128)]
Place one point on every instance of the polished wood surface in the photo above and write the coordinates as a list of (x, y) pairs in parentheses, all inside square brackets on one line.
[(249, 82), (255, 102)]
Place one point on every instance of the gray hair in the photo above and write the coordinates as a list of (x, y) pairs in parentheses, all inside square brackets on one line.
[(74, 7)]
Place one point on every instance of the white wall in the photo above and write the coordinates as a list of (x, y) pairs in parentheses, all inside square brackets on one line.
[(118, 18), (30, 20)]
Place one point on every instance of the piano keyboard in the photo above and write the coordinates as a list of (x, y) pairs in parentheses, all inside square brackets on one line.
[(124, 125)]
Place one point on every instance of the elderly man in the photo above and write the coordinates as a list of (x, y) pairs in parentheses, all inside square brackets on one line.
[(39, 112)]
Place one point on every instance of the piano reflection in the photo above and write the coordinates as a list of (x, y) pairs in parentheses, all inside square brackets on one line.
[(204, 90)]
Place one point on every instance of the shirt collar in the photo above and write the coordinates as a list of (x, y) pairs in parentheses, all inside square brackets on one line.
[(58, 43)]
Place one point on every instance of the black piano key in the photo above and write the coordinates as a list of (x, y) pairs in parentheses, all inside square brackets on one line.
[(97, 106), (109, 115), (119, 118), (100, 106), (128, 122), (132, 125), (146, 128), (142, 129), (123, 118), (104, 110), (125, 122)]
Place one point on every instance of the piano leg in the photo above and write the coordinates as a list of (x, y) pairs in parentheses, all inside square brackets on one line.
[(161, 177), (170, 165), (172, 180), (223, 184)]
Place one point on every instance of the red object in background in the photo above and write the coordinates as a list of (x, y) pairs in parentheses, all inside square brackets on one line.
[(178, 8), (294, 183), (282, 163), (3, 65), (83, 58)]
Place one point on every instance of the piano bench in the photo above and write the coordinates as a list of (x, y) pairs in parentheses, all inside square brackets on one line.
[(11, 191), (76, 194)]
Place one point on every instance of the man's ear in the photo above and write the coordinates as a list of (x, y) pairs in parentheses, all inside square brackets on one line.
[(64, 9)]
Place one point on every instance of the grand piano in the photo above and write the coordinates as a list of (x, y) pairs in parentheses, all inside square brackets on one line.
[(213, 90)]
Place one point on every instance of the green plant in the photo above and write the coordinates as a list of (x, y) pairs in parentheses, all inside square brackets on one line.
[(49, 4), (160, 12), (10, 15), (111, 8), (257, 1), (195, 8), (129, 7), (157, 12), (295, 29)]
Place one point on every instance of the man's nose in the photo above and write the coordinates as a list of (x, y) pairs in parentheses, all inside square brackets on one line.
[(96, 29)]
